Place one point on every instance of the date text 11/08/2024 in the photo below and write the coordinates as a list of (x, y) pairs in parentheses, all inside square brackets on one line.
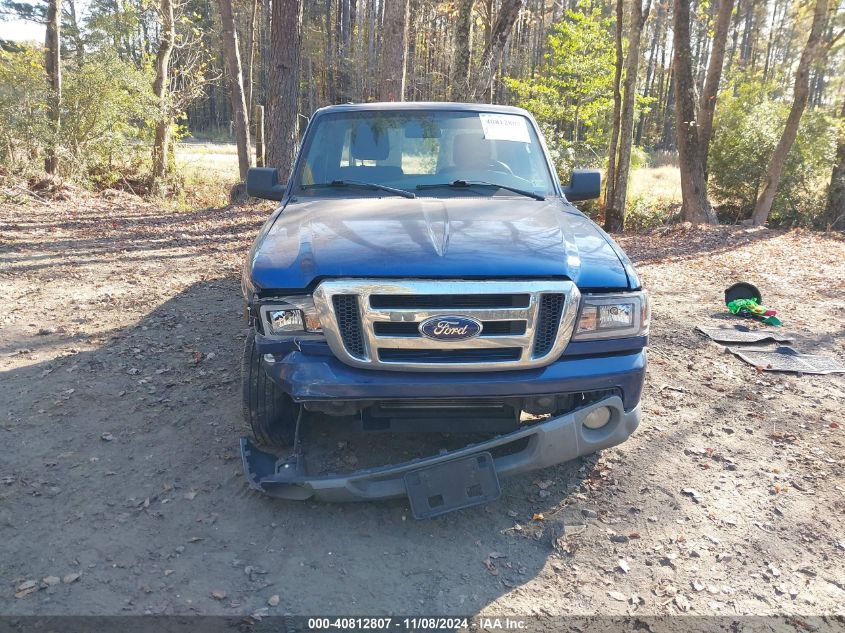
[(433, 623)]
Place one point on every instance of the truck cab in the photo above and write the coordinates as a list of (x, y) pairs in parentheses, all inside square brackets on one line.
[(425, 268)]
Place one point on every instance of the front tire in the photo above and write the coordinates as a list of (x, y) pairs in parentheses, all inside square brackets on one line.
[(269, 411)]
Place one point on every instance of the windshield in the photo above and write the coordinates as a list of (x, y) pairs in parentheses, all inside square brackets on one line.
[(420, 151)]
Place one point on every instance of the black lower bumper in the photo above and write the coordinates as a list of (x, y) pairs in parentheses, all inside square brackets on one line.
[(553, 441)]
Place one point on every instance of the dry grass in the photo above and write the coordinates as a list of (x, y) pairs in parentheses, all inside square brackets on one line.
[(208, 171), (662, 184)]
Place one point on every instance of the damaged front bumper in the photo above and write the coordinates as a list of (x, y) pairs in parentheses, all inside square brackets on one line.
[(553, 441)]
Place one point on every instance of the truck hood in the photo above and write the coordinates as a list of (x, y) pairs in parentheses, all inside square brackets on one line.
[(457, 238)]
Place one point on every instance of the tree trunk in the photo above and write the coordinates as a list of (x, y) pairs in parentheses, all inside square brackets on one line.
[(626, 128), (53, 66), (770, 42), (328, 55), (801, 92), (836, 191), (648, 87), (488, 21), (463, 51), (161, 89), (283, 85), (250, 73), (611, 214), (695, 206), (393, 51), (745, 44), (75, 33), (714, 77), (343, 41), (491, 59), (372, 67), (411, 52), (259, 136), (240, 116)]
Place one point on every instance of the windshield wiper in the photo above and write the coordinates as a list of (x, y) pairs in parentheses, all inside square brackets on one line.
[(365, 185), (482, 183)]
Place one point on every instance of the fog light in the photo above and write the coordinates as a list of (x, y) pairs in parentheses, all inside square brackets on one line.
[(597, 418)]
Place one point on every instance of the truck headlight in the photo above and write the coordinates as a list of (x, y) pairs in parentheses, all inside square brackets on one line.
[(613, 316), (290, 315)]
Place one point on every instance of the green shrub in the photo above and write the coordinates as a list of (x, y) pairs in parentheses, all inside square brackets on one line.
[(639, 158), (574, 100), (648, 212), (23, 106), (106, 104), (747, 129)]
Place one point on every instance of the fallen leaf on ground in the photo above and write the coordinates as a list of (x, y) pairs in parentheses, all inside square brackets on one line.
[(218, 595), (69, 578), (691, 492), (273, 601), (26, 588)]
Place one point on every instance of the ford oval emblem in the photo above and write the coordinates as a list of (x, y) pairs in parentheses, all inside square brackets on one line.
[(450, 328)]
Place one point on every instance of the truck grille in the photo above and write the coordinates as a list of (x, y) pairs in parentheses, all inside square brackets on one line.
[(551, 307), (376, 323), (349, 324)]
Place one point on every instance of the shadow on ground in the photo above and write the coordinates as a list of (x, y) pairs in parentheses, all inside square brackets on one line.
[(125, 470)]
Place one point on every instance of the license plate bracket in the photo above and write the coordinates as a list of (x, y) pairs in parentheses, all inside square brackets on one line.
[(452, 485)]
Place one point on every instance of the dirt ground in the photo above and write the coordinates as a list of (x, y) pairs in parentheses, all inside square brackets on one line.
[(121, 491)]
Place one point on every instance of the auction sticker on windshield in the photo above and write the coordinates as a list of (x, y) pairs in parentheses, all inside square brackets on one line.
[(504, 127)]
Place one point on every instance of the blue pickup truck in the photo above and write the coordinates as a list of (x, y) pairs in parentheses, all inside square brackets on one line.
[(426, 269)]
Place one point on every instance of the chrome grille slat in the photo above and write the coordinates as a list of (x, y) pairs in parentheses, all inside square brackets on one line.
[(414, 301), (411, 328), (488, 314), (407, 342), (449, 302)]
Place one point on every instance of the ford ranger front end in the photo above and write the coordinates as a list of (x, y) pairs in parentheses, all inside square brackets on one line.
[(426, 271)]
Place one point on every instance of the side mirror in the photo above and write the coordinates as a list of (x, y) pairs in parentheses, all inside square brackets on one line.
[(585, 184), (263, 182)]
